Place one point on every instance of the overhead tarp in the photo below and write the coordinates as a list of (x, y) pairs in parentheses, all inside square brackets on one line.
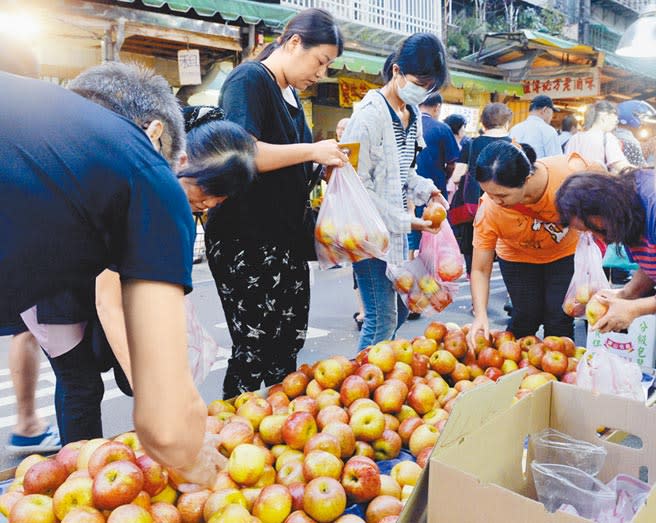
[(249, 12), (557, 43), (371, 64)]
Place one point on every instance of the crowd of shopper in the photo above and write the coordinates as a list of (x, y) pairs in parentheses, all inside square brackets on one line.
[(80, 278)]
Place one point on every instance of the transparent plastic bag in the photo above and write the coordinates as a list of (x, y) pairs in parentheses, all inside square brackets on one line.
[(631, 494), (203, 351), (442, 253), (349, 227), (557, 485), (606, 373), (418, 288), (588, 276), (552, 446)]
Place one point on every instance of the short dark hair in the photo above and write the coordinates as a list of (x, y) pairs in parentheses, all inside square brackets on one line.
[(505, 164), (569, 123), (421, 55), (432, 100), (221, 157), (495, 115), (586, 194), (455, 122), (314, 27)]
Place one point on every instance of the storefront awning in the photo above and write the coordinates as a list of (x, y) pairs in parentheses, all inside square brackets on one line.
[(271, 15), (638, 66), (557, 43), (371, 64)]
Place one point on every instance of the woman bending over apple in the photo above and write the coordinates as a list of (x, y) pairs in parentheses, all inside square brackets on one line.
[(388, 127), (618, 209), (518, 221)]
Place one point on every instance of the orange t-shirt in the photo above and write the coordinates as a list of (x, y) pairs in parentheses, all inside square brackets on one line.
[(518, 237)]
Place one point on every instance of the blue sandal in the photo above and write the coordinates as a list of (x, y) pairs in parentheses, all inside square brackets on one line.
[(47, 442)]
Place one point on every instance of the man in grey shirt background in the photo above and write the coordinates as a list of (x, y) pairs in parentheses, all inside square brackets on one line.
[(536, 129)]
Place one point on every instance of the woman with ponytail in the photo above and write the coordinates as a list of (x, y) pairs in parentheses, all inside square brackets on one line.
[(257, 241), (518, 221)]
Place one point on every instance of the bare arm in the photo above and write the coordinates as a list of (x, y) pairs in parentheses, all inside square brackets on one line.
[(480, 288), (109, 304), (169, 414), (270, 157), (639, 286)]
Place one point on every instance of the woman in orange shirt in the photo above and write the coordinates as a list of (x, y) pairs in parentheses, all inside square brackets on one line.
[(517, 219)]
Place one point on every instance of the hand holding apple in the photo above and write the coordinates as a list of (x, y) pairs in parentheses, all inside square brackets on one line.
[(208, 463), (618, 315)]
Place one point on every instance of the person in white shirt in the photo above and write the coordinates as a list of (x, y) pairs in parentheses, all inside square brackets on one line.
[(536, 130), (598, 143)]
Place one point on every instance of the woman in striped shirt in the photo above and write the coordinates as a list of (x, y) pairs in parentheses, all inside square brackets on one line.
[(388, 127), (618, 209)]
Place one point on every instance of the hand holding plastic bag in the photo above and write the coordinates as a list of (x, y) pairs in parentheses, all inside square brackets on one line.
[(349, 227), (605, 373), (588, 276)]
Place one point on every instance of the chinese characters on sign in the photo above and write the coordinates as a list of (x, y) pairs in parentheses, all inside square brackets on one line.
[(189, 67), (352, 90), (638, 345), (565, 86)]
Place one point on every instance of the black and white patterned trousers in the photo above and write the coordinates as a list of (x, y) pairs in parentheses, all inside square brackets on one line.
[(265, 293)]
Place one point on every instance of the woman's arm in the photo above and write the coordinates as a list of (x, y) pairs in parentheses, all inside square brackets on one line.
[(480, 288), (109, 305), (270, 157)]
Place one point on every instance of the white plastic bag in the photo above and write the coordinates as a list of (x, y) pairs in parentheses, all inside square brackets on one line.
[(349, 227), (203, 351), (588, 276), (605, 373)]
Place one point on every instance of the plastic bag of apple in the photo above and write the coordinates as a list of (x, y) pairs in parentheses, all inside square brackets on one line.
[(441, 253), (349, 227), (588, 276)]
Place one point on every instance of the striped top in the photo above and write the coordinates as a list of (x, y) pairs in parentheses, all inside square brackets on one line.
[(406, 138), (644, 254)]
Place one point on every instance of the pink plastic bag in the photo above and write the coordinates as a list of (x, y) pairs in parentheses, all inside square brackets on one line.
[(605, 373), (203, 351), (349, 227), (441, 251), (588, 276), (631, 495)]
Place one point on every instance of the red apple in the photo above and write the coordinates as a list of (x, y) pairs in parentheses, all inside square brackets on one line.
[(295, 384), (554, 343), (329, 373), (325, 442), (456, 343), (407, 427), (383, 506), (363, 449), (319, 463), (107, 453), (298, 516), (510, 350), (569, 347), (361, 480), (490, 357), (527, 342), (330, 414), (382, 355), (298, 429), (354, 387), (221, 498), (460, 373), (273, 505), (130, 513), (324, 499), (344, 434), (390, 396), (165, 513), (271, 429), (297, 490), (74, 492), (403, 282), (420, 364), (509, 366), (90, 515), (434, 213), (372, 375), (246, 464), (367, 423), (443, 362), (313, 389), (450, 268), (535, 354), (68, 454), (554, 362), (255, 410), (388, 446), (435, 331), (117, 483), (328, 397), (424, 346), (389, 486), (402, 351), (234, 434), (44, 477), (595, 310), (569, 377), (305, 404), (402, 372), (290, 473), (155, 476), (500, 337), (423, 436), (494, 373), (424, 456)]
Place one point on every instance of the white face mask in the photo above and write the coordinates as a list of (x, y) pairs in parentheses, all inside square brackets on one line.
[(412, 94)]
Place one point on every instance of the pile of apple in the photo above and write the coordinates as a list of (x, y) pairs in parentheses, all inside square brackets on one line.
[(348, 242), (302, 454)]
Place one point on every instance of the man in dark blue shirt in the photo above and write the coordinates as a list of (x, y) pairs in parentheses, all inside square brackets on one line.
[(82, 189)]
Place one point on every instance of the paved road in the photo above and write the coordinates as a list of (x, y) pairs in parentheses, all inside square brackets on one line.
[(332, 331)]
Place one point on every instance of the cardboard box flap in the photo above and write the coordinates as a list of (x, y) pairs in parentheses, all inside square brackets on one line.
[(580, 413), (479, 405)]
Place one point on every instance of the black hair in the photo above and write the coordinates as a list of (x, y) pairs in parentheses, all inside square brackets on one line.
[(614, 199), (568, 123), (593, 111), (314, 27), (495, 115), (421, 55), (432, 100), (505, 164), (455, 122), (221, 157)]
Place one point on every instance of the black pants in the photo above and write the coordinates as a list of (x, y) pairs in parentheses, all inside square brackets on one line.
[(464, 233), (537, 292), (265, 293)]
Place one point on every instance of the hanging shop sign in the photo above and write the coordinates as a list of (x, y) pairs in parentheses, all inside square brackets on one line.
[(471, 115), (563, 86), (189, 67), (352, 90)]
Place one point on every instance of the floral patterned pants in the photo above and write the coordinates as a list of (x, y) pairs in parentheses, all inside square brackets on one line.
[(265, 293)]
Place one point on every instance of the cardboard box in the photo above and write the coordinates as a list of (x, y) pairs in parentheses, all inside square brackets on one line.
[(481, 476), (638, 345)]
